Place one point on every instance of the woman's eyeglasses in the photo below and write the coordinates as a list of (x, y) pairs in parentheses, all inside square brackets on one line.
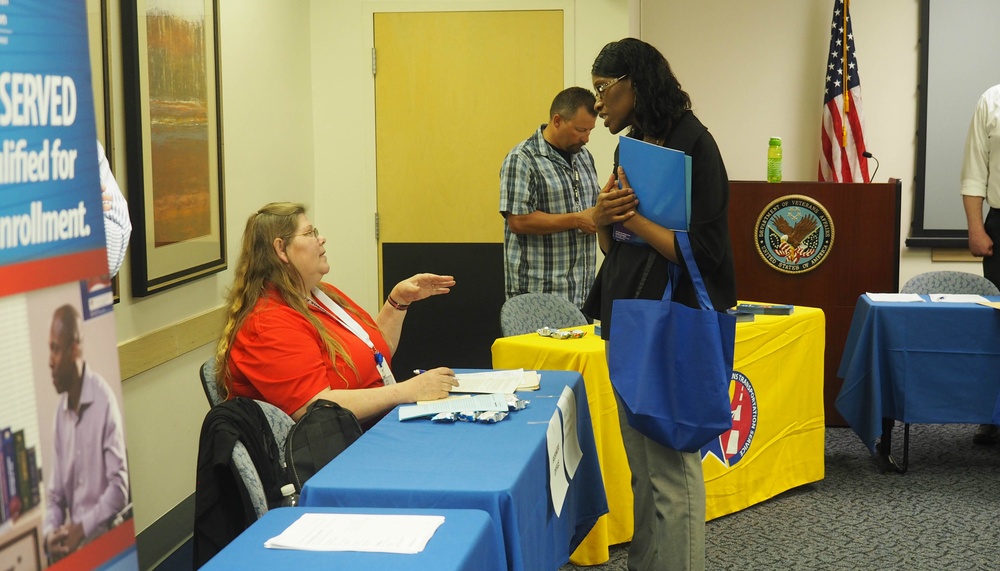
[(604, 87)]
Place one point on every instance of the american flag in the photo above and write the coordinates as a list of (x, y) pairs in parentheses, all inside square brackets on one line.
[(843, 138)]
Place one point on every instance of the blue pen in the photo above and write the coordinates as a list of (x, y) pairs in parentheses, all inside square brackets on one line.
[(419, 371)]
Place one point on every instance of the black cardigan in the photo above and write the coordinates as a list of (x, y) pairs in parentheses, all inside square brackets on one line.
[(624, 263), (222, 504)]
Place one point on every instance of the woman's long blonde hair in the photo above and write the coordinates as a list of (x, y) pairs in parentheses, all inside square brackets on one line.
[(259, 267)]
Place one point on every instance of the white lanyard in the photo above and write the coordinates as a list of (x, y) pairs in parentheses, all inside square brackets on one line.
[(334, 310)]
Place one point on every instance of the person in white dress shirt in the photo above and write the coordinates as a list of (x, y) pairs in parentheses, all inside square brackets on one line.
[(980, 180), (117, 224)]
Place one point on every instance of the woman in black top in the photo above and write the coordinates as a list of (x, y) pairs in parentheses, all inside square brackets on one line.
[(637, 89)]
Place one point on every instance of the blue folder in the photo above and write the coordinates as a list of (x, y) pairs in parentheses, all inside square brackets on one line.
[(661, 180)]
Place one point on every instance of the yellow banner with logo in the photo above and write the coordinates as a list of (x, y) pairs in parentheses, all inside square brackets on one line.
[(777, 439)]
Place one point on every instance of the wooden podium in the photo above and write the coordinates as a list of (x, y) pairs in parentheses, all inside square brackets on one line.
[(862, 256)]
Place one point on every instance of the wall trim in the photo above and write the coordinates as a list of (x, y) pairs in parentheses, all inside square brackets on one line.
[(153, 349), (165, 535)]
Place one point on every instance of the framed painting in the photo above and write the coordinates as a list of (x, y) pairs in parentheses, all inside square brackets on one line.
[(97, 27), (173, 129)]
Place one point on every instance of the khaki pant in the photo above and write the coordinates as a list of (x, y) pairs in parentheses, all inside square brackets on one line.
[(669, 512)]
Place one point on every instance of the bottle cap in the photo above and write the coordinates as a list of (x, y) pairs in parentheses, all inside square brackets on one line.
[(775, 141), (287, 490)]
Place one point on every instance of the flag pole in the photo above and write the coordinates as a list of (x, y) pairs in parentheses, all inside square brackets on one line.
[(847, 79)]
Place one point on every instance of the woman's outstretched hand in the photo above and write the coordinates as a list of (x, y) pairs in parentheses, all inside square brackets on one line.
[(421, 286)]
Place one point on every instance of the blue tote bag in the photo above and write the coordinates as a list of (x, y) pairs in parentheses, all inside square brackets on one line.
[(672, 364)]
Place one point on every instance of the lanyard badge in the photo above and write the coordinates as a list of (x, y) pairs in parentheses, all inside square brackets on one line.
[(384, 370), (334, 310)]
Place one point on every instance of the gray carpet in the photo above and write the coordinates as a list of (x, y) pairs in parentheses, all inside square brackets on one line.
[(940, 514)]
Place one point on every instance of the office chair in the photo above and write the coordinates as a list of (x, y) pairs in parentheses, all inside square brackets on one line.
[(207, 374), (529, 312), (240, 467), (280, 423), (949, 282), (937, 282)]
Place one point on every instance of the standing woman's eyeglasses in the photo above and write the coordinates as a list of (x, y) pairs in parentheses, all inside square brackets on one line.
[(604, 87), (314, 233)]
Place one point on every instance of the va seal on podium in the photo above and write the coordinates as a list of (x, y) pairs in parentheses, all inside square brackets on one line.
[(794, 234)]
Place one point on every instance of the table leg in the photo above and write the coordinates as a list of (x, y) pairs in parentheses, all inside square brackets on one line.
[(884, 448)]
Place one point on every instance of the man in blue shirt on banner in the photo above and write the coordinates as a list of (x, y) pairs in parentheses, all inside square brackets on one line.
[(88, 487)]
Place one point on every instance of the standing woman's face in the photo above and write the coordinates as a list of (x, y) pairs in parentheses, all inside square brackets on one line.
[(615, 101)]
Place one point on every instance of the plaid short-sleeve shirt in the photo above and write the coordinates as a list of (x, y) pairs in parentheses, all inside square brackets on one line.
[(534, 176)]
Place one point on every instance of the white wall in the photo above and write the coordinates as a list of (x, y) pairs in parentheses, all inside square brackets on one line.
[(756, 69)]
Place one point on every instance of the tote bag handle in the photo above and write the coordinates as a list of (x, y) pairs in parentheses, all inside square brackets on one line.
[(674, 270)]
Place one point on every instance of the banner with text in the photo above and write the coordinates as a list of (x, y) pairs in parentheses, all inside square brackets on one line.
[(65, 496), (51, 224)]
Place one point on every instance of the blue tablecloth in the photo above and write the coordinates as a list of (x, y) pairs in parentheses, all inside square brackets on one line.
[(929, 362), (499, 468), (464, 542)]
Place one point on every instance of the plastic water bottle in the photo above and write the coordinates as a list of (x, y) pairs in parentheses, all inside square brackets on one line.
[(774, 160), (289, 499)]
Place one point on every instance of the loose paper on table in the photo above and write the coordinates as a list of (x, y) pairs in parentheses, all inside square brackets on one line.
[(492, 402), (358, 532), (505, 381), (957, 298), (894, 297), (558, 482), (572, 452)]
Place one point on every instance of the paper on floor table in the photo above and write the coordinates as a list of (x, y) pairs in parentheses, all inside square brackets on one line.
[(957, 298), (358, 532), (894, 297)]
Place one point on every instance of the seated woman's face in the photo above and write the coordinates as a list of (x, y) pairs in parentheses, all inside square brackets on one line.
[(307, 253)]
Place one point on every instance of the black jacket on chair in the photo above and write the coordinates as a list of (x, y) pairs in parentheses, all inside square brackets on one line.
[(222, 503)]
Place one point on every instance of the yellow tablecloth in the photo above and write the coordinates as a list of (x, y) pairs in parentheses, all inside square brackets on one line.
[(777, 440)]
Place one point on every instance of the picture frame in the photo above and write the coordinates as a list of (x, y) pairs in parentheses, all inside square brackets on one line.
[(22, 552), (98, 34), (173, 129), (97, 31)]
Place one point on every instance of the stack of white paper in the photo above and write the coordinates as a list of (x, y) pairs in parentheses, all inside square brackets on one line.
[(894, 296), (530, 382), (358, 532)]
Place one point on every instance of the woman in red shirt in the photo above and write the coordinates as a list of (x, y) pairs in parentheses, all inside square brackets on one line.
[(291, 339)]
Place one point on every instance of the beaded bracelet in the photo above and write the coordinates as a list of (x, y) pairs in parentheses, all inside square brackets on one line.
[(396, 305)]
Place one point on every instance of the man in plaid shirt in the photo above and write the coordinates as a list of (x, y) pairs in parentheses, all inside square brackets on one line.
[(548, 188)]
